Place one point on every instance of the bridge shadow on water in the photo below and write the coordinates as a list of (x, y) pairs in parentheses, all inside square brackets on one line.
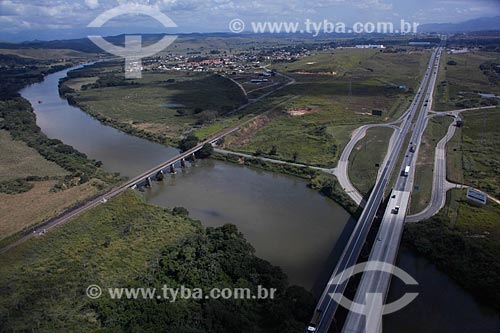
[(337, 251)]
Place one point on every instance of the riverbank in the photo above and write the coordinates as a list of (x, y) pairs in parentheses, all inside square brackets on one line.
[(36, 171), (463, 241), (126, 242), (325, 184), (160, 107)]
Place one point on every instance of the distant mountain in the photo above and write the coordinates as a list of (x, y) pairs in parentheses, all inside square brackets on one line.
[(86, 45), (480, 24)]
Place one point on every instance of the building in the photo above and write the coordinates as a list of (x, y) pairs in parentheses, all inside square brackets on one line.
[(370, 46), (477, 196), (419, 43)]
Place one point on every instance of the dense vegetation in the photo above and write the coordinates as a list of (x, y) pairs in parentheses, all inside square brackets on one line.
[(212, 257), (17, 117), (129, 243), (462, 240), (17, 72)]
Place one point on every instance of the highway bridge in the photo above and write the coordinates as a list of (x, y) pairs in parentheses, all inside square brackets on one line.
[(386, 246), (327, 307)]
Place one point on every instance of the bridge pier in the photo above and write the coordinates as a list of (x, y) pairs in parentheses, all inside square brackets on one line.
[(149, 182), (160, 175), (172, 169), (183, 163), (193, 158)]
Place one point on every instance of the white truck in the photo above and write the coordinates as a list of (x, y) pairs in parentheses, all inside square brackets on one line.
[(406, 171)]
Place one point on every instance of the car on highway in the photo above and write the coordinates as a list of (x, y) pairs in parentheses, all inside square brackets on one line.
[(395, 210), (313, 325)]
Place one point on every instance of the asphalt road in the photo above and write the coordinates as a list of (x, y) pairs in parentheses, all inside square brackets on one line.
[(385, 248), (440, 184), (342, 170), (326, 305)]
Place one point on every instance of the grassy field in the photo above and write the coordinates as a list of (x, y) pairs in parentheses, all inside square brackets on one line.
[(335, 93), (39, 177), (129, 243), (309, 139), (163, 104), (48, 54), (463, 241), (369, 152), (435, 131), (24, 210), (461, 77), (473, 153), (17, 160), (68, 259), (39, 202)]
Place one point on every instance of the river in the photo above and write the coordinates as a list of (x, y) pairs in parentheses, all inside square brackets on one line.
[(288, 224)]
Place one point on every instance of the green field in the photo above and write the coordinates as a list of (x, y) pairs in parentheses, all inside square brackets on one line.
[(435, 131), (333, 105), (129, 243), (17, 160), (367, 154), (461, 77), (161, 104), (474, 154)]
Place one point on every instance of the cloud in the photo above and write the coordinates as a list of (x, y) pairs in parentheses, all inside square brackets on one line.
[(7, 8), (92, 4), (214, 15), (374, 5)]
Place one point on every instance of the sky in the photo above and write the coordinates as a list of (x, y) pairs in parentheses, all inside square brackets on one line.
[(63, 19)]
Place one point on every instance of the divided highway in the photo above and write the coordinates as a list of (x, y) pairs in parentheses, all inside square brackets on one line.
[(326, 308), (386, 246)]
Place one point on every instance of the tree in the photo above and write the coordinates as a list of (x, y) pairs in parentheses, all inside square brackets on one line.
[(295, 156), (188, 142), (206, 117), (273, 150), (180, 211), (206, 151)]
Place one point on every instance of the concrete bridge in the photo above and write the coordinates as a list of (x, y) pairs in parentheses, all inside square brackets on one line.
[(144, 179)]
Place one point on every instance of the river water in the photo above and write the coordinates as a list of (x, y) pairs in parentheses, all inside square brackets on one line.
[(288, 224)]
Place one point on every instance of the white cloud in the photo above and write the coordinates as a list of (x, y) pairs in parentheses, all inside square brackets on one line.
[(92, 4), (374, 5)]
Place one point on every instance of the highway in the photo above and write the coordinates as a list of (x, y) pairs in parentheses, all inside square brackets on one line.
[(342, 170), (385, 248), (326, 306), (72, 213), (440, 185)]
